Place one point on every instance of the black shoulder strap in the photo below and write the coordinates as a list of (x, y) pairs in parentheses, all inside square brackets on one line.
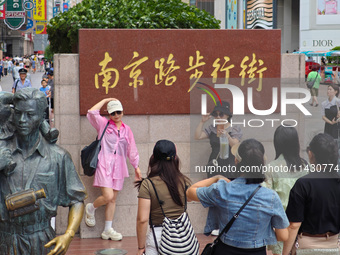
[(151, 224), (230, 223), (159, 201), (16, 85), (185, 197), (160, 204), (104, 131)]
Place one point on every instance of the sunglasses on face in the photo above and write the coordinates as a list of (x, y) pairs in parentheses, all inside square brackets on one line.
[(218, 114), (116, 112)]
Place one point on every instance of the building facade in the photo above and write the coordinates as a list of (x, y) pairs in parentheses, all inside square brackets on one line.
[(319, 25), (304, 24), (15, 42)]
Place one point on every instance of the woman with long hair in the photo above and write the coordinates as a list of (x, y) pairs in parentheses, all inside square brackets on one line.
[(330, 111), (314, 205), (287, 167), (170, 185), (254, 227)]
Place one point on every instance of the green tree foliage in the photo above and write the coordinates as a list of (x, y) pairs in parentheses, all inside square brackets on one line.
[(48, 53), (335, 59), (133, 14)]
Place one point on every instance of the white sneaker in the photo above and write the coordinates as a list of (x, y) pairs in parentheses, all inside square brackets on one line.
[(90, 220), (112, 234), (215, 232)]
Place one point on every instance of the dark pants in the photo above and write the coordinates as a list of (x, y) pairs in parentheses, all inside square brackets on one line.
[(47, 115), (47, 112), (222, 249)]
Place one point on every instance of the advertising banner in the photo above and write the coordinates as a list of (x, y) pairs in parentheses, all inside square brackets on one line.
[(41, 27), (55, 11), (2, 12), (231, 14), (39, 10), (261, 14), (65, 7), (328, 12), (15, 14), (30, 22)]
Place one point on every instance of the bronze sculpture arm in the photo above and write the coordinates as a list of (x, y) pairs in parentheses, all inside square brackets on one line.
[(62, 242)]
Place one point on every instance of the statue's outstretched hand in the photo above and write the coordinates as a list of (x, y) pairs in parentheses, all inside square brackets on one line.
[(61, 244)]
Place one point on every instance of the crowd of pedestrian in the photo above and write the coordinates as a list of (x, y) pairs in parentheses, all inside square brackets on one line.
[(287, 212), (21, 68), (32, 63), (281, 216)]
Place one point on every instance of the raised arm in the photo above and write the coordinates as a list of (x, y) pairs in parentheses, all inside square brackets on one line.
[(101, 103), (191, 192), (199, 133)]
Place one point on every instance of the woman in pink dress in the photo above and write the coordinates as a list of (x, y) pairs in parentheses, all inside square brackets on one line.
[(117, 144)]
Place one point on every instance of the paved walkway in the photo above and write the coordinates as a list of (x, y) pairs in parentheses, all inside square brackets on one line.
[(91, 246), (7, 81), (129, 244)]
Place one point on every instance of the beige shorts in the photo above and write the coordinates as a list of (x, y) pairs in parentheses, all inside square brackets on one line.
[(314, 92), (330, 243)]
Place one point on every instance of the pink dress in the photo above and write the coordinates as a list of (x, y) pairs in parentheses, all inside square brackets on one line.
[(116, 146)]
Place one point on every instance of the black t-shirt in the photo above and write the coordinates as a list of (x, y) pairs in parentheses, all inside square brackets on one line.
[(315, 202)]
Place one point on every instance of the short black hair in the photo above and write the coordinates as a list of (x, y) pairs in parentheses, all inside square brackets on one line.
[(336, 88), (325, 150)]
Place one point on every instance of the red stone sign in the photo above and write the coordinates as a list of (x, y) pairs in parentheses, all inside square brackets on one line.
[(154, 71)]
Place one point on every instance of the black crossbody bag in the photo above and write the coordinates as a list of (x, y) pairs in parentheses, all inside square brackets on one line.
[(89, 155)]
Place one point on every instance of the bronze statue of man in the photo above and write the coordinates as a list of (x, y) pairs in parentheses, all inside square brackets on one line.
[(43, 178)]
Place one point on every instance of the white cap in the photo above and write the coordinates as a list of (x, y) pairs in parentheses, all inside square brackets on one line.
[(114, 105)]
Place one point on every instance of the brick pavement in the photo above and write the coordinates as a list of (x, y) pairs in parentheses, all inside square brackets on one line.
[(129, 244)]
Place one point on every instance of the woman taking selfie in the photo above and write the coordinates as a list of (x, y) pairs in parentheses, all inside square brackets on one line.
[(222, 115)]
